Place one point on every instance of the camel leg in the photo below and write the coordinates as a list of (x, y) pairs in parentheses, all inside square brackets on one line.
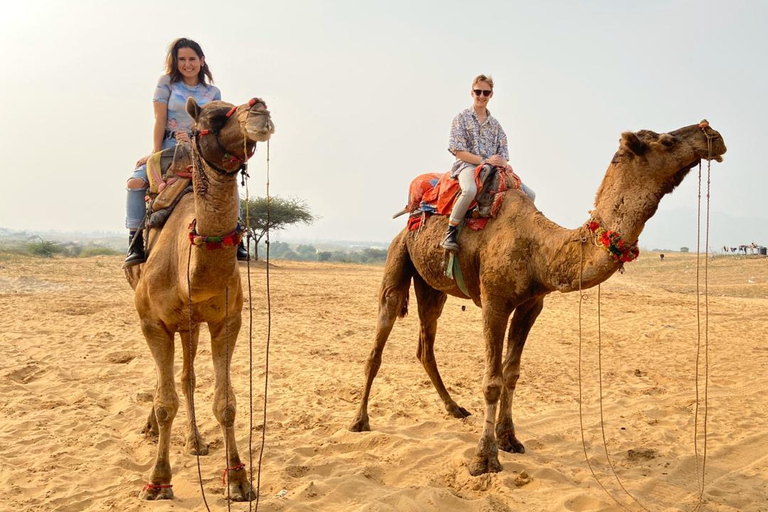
[(519, 327), (165, 406), (486, 458), (195, 445), (225, 405), (393, 301), (150, 428), (430, 303)]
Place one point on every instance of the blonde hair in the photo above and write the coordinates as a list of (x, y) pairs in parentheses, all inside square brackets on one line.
[(483, 78)]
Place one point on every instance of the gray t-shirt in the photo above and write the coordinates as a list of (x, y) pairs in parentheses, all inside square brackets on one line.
[(175, 95)]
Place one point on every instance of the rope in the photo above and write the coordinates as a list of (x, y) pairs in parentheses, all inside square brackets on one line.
[(250, 325), (191, 368), (226, 390), (700, 475), (581, 393), (700, 472), (269, 336)]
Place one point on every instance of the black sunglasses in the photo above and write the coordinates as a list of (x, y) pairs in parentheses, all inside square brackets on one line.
[(479, 92)]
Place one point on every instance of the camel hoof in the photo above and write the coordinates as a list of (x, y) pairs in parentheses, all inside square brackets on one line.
[(457, 411), (360, 425), (153, 494), (483, 464), (193, 449), (241, 491), (509, 443)]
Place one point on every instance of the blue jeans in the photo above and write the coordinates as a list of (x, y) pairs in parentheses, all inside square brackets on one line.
[(134, 204)]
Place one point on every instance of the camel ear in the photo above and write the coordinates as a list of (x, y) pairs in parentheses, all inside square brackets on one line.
[(633, 143), (193, 109), (668, 140)]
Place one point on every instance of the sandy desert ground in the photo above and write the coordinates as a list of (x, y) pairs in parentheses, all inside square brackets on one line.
[(76, 382)]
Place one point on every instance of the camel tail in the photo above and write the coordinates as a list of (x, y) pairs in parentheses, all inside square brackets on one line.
[(404, 309), (398, 273)]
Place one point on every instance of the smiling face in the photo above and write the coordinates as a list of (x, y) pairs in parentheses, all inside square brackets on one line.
[(482, 92), (188, 63)]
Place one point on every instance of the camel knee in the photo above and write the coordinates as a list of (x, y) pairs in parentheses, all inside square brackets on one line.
[(492, 391), (165, 413), (226, 415), (393, 302), (136, 184)]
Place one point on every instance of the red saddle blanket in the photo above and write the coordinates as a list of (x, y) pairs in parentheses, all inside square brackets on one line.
[(435, 194)]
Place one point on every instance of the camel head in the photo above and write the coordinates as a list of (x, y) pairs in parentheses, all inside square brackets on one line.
[(665, 159), (227, 134)]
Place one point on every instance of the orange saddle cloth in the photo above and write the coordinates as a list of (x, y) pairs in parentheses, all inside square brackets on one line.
[(435, 194)]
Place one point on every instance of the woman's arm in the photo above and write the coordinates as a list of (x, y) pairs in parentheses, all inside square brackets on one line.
[(158, 133)]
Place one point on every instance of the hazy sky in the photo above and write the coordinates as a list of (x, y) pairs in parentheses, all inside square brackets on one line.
[(363, 93)]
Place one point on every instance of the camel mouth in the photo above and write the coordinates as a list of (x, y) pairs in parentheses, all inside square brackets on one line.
[(259, 127)]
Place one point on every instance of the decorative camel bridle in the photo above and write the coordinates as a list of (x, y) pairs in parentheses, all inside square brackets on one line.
[(612, 241), (243, 161), (233, 238)]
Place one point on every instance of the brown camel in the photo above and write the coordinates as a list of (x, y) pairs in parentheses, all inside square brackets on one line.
[(180, 280), (519, 258)]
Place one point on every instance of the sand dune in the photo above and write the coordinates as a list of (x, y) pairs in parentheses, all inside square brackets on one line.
[(76, 382)]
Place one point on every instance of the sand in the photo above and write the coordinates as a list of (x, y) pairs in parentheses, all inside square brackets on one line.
[(76, 382)]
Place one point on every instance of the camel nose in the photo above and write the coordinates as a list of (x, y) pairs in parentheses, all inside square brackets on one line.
[(259, 127)]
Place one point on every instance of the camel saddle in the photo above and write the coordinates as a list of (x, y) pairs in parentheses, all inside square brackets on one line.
[(169, 174), (435, 194)]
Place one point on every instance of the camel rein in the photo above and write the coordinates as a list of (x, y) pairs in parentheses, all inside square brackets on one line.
[(700, 466), (212, 243)]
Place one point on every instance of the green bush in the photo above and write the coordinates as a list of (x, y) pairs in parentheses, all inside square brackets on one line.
[(44, 248)]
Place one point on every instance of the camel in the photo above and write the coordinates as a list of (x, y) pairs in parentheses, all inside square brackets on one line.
[(181, 280), (519, 258)]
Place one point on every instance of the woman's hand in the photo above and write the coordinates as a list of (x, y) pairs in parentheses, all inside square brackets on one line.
[(141, 161), (182, 136), (497, 161)]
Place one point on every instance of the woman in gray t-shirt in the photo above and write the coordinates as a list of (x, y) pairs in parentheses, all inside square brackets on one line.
[(187, 75)]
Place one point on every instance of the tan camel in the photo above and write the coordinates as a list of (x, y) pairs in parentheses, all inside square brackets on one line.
[(517, 260), (178, 272)]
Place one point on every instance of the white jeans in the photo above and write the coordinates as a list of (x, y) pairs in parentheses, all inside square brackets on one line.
[(466, 179)]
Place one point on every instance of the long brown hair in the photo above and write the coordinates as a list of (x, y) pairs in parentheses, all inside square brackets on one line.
[(172, 60)]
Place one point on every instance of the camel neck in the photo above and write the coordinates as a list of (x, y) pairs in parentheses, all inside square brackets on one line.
[(623, 205), (215, 202)]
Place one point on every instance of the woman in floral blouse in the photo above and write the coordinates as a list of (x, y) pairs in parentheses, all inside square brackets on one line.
[(476, 138)]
